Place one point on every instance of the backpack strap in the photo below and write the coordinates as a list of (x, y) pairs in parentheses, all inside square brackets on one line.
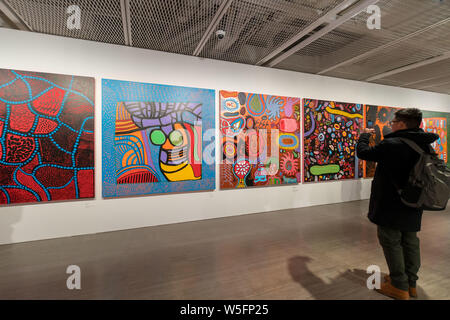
[(416, 148), (413, 145)]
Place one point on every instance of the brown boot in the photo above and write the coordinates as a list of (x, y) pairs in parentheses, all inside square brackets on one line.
[(412, 291), (389, 290)]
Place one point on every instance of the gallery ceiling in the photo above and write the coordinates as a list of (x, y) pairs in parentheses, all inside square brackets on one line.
[(327, 37)]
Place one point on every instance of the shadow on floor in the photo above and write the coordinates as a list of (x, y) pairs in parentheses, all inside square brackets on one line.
[(349, 285)]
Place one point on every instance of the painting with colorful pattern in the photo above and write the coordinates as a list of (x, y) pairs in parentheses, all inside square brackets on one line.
[(438, 122), (378, 118), (46, 137), (260, 140), (330, 133), (156, 138)]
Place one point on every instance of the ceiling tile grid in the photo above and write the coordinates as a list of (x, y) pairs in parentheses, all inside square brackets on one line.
[(170, 25), (399, 19), (254, 28), (267, 32)]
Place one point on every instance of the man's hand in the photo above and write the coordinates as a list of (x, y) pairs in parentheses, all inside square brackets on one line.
[(368, 130)]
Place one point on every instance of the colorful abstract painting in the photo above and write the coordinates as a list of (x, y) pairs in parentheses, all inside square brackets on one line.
[(156, 138), (46, 137), (260, 140), (438, 122), (330, 136), (378, 118)]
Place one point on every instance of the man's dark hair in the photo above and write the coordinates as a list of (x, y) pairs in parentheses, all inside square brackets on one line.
[(411, 117)]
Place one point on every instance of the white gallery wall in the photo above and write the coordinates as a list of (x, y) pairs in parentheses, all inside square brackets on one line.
[(44, 53)]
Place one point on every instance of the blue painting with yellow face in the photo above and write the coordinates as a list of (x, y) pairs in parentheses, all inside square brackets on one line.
[(156, 138)]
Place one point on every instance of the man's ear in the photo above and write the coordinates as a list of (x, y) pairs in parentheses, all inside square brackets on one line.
[(404, 125)]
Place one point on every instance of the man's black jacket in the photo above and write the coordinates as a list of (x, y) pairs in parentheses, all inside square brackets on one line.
[(394, 160)]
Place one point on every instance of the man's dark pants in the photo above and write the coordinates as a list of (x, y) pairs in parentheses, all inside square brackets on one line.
[(402, 253)]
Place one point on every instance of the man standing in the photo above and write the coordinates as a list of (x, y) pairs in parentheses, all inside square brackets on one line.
[(397, 224)]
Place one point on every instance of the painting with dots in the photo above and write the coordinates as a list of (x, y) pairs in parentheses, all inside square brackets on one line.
[(46, 137), (260, 138), (377, 118), (330, 135), (439, 123)]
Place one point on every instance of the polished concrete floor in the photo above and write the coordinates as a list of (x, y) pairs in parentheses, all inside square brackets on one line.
[(309, 253)]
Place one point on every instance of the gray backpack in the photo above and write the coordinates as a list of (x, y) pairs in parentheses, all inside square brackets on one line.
[(428, 183)]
